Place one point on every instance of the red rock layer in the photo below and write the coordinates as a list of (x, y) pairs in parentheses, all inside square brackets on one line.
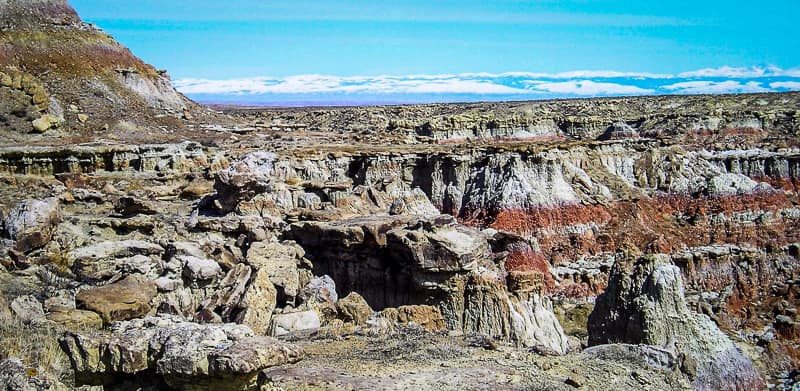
[(761, 285), (661, 224)]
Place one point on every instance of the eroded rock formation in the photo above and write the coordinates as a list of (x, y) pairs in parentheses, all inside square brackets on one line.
[(168, 352), (645, 304)]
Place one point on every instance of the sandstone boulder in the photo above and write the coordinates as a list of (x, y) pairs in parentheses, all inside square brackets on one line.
[(424, 316), (109, 268), (31, 223), (258, 303), (197, 189), (439, 245), (321, 289), (320, 295), (108, 250), (131, 206), (45, 123), (645, 304), (243, 296), (354, 309), (126, 299), (199, 269), (168, 352)]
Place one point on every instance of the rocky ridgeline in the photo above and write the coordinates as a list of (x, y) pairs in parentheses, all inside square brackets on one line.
[(753, 116)]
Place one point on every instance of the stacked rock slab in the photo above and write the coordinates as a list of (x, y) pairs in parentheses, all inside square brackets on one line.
[(170, 353), (644, 304)]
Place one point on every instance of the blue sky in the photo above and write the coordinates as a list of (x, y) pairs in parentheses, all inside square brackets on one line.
[(319, 51)]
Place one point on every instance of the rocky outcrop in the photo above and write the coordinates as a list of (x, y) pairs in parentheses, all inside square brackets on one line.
[(282, 263), (243, 180), (395, 261), (354, 309), (31, 160), (27, 308), (14, 376), (423, 316), (169, 352), (645, 304), (111, 260), (242, 296)]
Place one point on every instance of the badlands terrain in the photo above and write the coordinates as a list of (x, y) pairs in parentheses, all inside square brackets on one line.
[(149, 242)]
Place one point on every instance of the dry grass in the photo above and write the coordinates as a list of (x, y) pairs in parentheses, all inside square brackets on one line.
[(36, 346)]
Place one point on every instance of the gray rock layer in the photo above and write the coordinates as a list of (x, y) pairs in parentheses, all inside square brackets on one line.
[(645, 304)]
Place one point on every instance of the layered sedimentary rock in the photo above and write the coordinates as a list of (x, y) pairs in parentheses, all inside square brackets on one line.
[(183, 157)]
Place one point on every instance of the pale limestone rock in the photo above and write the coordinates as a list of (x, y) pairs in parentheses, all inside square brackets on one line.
[(31, 223), (46, 122), (27, 308), (104, 251), (199, 269), (244, 179), (292, 322), (280, 261), (258, 303)]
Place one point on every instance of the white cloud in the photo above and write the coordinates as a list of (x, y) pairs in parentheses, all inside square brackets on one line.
[(789, 85), (587, 88), (742, 72), (584, 74), (310, 84), (574, 83), (715, 87)]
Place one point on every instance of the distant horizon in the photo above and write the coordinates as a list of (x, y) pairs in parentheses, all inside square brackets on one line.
[(333, 104)]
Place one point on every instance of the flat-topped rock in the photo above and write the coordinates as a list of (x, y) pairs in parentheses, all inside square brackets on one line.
[(176, 354)]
